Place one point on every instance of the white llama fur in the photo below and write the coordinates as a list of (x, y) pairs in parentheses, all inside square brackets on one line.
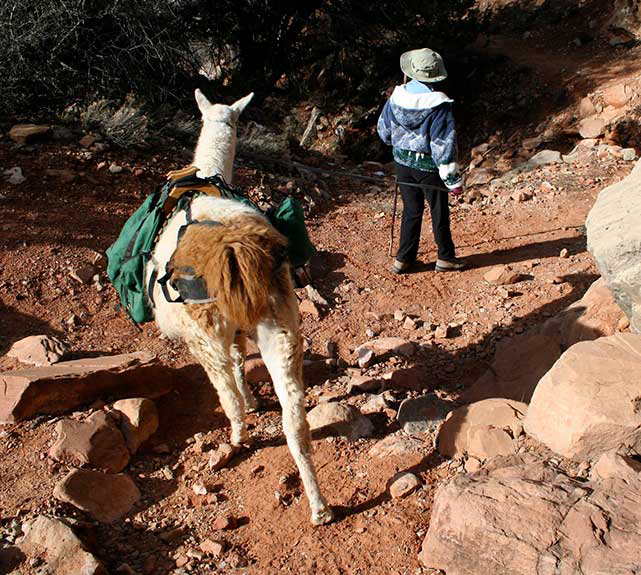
[(222, 353)]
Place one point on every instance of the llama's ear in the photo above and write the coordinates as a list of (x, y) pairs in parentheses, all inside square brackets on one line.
[(201, 100), (241, 104)]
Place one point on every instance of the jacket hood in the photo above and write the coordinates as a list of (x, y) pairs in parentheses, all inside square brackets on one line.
[(411, 110)]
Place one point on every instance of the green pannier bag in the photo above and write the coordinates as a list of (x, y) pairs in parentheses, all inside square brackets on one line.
[(129, 254)]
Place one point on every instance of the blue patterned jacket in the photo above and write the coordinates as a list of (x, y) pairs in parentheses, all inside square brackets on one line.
[(422, 131)]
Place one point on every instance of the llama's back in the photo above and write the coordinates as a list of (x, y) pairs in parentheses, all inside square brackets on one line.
[(242, 261)]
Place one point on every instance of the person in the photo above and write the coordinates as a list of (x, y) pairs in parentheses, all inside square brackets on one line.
[(418, 122)]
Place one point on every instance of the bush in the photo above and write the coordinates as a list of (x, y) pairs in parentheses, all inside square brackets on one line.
[(56, 51), (126, 126)]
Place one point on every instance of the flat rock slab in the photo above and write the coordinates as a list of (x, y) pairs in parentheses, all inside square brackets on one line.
[(105, 497), (67, 385), (58, 545)]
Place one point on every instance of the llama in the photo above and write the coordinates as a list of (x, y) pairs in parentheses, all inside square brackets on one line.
[(248, 278)]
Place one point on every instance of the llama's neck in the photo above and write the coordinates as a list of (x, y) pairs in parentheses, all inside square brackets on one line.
[(215, 150)]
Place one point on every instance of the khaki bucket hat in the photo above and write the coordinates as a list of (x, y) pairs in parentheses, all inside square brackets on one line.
[(423, 65)]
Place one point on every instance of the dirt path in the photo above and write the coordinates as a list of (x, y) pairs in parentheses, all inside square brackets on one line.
[(49, 227)]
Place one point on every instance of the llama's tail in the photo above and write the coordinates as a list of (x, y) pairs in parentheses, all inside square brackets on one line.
[(239, 261)]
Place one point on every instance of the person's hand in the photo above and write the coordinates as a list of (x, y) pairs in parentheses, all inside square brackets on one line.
[(456, 192)]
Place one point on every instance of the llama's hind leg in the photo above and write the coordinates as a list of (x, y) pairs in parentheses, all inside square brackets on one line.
[(281, 349), (212, 351), (238, 354)]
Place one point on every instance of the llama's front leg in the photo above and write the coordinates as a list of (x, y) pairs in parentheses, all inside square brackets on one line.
[(282, 353), (238, 354), (214, 356)]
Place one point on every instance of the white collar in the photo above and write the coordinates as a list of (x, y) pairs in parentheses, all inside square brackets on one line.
[(401, 97)]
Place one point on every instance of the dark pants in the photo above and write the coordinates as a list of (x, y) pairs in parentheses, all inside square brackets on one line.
[(413, 205)]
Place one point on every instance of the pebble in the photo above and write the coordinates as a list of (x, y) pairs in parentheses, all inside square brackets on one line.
[(212, 547), (221, 456), (115, 168)]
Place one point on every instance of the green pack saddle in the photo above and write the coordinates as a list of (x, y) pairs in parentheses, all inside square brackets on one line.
[(129, 254)]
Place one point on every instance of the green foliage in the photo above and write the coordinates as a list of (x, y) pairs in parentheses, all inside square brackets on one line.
[(54, 52)]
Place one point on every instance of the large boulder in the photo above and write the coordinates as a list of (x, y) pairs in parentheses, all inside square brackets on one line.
[(69, 384), (55, 542), (518, 365), (520, 362), (483, 429), (614, 240), (595, 315), (590, 401), (523, 517)]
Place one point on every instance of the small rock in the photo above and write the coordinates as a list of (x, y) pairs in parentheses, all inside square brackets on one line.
[(39, 350), (212, 547), (221, 456), (22, 133), (199, 489), (339, 419), (365, 357), (442, 332), (591, 127), (629, 154), (115, 168), (564, 253), (546, 187), (403, 484), (545, 157), (374, 404), (224, 522), (87, 140), (422, 414), (95, 441), (139, 420), (586, 108), (623, 324), (331, 348), (399, 315), (363, 383), (314, 295), (501, 275), (104, 496), (472, 465), (409, 323), (308, 307), (520, 196), (14, 175)]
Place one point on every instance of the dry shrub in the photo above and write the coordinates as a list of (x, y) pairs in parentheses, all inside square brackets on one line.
[(125, 126)]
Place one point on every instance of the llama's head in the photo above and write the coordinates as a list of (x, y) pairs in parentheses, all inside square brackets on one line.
[(220, 112)]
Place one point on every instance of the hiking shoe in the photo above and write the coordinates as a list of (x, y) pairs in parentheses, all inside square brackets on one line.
[(399, 267), (453, 265)]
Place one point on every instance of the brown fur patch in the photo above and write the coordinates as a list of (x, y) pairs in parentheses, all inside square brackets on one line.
[(236, 260)]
